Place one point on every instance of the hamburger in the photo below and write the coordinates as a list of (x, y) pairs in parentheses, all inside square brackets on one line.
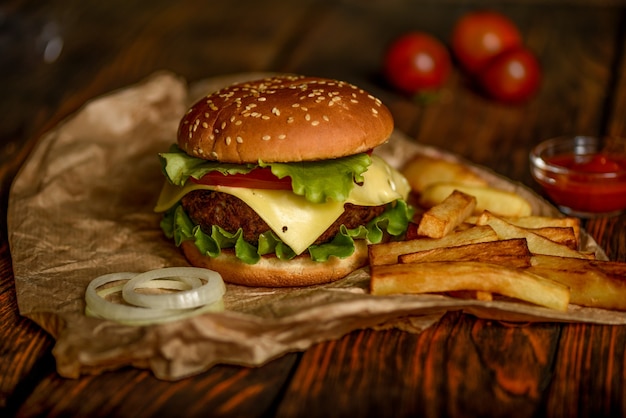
[(273, 182)]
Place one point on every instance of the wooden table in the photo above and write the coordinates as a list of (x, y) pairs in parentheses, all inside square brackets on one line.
[(462, 366)]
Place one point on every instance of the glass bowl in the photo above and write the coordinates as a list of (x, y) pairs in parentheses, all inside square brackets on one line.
[(584, 176)]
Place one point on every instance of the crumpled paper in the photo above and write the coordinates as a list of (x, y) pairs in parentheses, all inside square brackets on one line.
[(82, 206)]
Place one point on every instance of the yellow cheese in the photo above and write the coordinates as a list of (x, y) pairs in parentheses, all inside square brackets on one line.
[(295, 220)]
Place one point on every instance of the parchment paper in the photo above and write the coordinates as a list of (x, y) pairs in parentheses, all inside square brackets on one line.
[(81, 206)]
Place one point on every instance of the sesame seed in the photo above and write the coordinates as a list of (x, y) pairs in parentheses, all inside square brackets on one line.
[(282, 136), (374, 111), (223, 125), (205, 125), (265, 117), (239, 140), (214, 154), (228, 140), (290, 119), (325, 118), (261, 99), (238, 122), (276, 111), (315, 122), (266, 138), (307, 117)]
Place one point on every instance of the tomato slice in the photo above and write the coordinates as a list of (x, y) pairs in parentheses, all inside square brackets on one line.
[(259, 178)]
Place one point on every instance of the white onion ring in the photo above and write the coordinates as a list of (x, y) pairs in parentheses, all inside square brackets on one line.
[(98, 306), (136, 320), (114, 311), (206, 294)]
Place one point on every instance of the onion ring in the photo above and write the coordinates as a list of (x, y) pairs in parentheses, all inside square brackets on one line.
[(210, 294), (205, 294)]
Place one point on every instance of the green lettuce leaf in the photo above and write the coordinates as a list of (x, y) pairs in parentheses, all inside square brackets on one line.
[(176, 224), (317, 181), (178, 166), (320, 181)]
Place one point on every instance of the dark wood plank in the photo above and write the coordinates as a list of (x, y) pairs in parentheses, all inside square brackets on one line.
[(24, 347), (436, 373), (609, 234), (589, 373), (224, 391)]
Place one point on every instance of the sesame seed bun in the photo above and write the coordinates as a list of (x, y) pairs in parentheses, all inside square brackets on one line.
[(272, 272), (284, 119)]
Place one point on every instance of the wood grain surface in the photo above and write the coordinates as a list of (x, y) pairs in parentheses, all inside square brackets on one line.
[(462, 366)]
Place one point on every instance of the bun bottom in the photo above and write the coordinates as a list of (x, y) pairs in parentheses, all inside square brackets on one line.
[(272, 272)]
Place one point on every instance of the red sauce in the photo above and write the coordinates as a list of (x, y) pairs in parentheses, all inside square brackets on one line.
[(587, 193), (595, 163)]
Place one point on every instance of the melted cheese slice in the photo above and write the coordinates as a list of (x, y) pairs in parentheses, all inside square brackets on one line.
[(295, 220)]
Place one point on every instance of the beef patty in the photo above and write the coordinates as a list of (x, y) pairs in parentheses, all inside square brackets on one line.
[(207, 208)]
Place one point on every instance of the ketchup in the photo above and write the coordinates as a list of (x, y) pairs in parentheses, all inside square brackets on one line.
[(598, 187), (595, 163)]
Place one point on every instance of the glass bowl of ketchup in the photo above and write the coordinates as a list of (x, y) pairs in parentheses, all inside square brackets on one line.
[(584, 176)]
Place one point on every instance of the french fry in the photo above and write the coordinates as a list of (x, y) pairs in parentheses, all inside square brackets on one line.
[(497, 201), (560, 235), (536, 243), (441, 219), (535, 222), (593, 283), (422, 171), (484, 296), (388, 252), (471, 294), (436, 277), (512, 253)]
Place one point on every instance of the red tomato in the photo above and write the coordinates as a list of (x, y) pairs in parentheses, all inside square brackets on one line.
[(415, 62), (259, 178), (511, 77), (479, 36)]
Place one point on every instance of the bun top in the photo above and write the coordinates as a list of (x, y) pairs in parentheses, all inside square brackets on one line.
[(284, 119)]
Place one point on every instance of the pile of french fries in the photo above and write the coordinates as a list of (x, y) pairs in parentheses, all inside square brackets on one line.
[(481, 242)]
